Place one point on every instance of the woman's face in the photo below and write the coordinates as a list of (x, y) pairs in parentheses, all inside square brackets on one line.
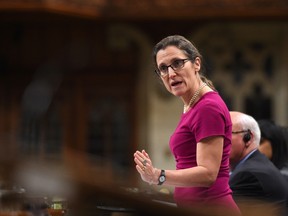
[(266, 148), (182, 81)]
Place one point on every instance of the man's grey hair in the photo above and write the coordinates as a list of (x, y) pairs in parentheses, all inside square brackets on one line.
[(247, 122)]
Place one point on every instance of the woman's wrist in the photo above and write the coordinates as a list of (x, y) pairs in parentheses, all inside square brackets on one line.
[(155, 177)]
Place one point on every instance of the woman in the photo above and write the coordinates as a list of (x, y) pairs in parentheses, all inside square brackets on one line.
[(201, 142), (274, 144)]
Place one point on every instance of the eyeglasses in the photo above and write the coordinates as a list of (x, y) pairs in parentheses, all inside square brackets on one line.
[(176, 65), (242, 131)]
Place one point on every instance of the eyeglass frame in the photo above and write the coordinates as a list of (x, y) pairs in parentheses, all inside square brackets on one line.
[(240, 131), (158, 72)]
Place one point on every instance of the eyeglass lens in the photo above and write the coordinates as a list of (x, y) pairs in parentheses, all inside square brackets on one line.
[(176, 65)]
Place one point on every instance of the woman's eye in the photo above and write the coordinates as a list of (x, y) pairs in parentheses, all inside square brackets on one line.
[(176, 63), (163, 68)]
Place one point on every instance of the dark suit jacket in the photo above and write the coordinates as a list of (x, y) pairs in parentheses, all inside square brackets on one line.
[(257, 178)]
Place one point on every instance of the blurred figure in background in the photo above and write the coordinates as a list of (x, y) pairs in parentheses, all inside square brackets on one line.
[(274, 145), (254, 178)]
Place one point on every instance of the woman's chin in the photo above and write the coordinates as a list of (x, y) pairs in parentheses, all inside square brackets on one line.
[(177, 93)]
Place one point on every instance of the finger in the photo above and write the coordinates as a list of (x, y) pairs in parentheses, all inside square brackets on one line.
[(138, 154), (141, 158), (137, 161), (141, 162), (140, 169), (144, 162), (145, 154), (147, 161)]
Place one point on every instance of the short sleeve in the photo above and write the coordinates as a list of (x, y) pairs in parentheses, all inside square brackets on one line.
[(209, 121)]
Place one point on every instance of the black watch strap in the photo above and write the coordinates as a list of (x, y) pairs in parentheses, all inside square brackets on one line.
[(162, 177)]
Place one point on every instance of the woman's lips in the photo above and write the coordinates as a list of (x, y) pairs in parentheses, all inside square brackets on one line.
[(176, 83)]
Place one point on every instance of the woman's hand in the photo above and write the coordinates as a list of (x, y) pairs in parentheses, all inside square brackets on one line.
[(145, 167)]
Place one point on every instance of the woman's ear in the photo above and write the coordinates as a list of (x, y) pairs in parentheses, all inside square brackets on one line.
[(197, 64)]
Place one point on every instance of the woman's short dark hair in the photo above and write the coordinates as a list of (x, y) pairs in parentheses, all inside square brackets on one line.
[(275, 134)]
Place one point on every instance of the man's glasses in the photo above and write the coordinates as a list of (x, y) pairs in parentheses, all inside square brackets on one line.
[(176, 65), (242, 131)]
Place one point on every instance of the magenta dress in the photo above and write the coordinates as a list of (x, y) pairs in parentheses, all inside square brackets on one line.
[(209, 117)]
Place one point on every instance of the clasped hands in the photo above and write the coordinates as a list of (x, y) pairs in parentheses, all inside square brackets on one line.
[(145, 167)]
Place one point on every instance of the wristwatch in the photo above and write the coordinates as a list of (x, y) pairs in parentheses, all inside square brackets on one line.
[(162, 177)]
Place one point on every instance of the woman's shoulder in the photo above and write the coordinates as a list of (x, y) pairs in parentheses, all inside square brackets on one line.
[(211, 99), (212, 95)]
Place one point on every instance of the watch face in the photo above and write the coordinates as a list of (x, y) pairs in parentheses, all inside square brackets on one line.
[(162, 178)]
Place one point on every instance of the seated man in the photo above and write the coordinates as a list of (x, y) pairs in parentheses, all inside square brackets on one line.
[(254, 178)]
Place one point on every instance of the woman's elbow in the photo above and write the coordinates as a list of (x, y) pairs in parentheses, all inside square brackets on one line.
[(210, 179)]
